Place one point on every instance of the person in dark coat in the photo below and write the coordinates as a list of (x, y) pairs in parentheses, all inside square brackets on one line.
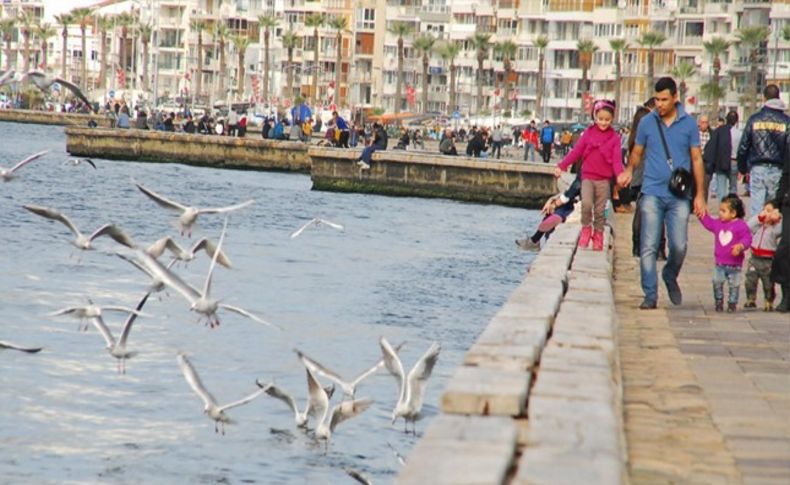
[(265, 128), (780, 271), (718, 156), (476, 145)]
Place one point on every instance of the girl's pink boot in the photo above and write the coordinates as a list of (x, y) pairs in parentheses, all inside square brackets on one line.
[(597, 240), (584, 240)]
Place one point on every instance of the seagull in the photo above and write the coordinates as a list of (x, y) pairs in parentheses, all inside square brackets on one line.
[(200, 300), (8, 345), (7, 174), (44, 81), (189, 214), (358, 476), (7, 77), (316, 222), (412, 387), (158, 248), (75, 162), (214, 411), (341, 412), (118, 348), (80, 240), (401, 459), (349, 388), (91, 311), (317, 399)]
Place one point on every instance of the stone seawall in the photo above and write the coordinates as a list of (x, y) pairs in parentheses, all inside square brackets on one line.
[(51, 118), (201, 150), (426, 174), (538, 397)]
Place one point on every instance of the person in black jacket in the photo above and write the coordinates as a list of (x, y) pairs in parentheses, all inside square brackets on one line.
[(763, 148), (476, 145), (556, 210), (780, 270), (718, 157)]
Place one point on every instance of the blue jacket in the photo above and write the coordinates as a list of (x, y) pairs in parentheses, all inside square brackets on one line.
[(764, 139), (300, 113)]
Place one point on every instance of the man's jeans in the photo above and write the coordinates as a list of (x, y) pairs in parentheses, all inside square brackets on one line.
[(529, 151), (730, 274), (657, 211), (727, 183), (763, 185)]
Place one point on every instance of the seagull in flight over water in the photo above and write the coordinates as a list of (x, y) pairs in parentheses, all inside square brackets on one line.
[(10, 346), (316, 222), (118, 348), (44, 81), (317, 399), (6, 174), (80, 240), (76, 162)]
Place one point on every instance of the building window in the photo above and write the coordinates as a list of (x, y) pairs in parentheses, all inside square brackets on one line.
[(607, 30), (366, 18)]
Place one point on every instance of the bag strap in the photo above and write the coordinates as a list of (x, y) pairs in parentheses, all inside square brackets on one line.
[(664, 142)]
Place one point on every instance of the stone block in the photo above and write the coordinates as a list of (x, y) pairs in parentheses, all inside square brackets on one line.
[(570, 434), (551, 466), (577, 281), (478, 429), (457, 463), (565, 235), (559, 260), (593, 384), (575, 340), (515, 332), (486, 391), (561, 357), (502, 356)]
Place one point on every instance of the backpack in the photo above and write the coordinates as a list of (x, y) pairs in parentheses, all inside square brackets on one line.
[(547, 135)]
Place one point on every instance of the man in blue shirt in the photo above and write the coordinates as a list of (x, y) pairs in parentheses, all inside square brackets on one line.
[(342, 126), (658, 206)]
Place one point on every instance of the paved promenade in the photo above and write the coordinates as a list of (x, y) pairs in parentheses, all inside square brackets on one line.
[(706, 395)]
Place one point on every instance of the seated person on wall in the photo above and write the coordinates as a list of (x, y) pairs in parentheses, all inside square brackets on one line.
[(189, 125), (278, 131), (140, 122), (123, 119), (329, 138), (447, 145), (556, 211), (241, 126), (403, 141), (379, 142)]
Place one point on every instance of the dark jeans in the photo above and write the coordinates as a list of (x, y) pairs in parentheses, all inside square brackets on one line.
[(545, 152), (343, 141), (496, 147), (367, 153)]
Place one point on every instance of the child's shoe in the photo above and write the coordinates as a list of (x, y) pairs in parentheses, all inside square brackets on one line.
[(750, 304), (768, 307), (584, 239), (597, 240), (719, 305), (731, 307)]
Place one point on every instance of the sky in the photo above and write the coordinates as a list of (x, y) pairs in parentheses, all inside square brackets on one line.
[(55, 7)]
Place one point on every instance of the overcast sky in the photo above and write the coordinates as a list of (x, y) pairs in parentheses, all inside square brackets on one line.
[(55, 7)]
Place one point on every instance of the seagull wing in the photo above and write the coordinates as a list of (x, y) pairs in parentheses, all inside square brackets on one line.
[(157, 271), (245, 313), (299, 231), (29, 159), (367, 373), (89, 162), (114, 232), (392, 362), (123, 309), (54, 215), (217, 210), (421, 371), (317, 400), (211, 250), (207, 285), (333, 225), (243, 401), (127, 326), (321, 370), (280, 395), (162, 201), (347, 410), (98, 322), (156, 249), (6, 77), (66, 311), (358, 476), (74, 89), (194, 380), (9, 345)]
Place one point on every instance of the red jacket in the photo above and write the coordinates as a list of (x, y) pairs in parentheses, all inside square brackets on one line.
[(530, 136)]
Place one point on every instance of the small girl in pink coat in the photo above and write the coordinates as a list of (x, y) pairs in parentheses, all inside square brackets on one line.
[(602, 159)]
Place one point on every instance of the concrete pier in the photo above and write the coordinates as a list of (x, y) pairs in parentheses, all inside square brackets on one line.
[(52, 118), (201, 150)]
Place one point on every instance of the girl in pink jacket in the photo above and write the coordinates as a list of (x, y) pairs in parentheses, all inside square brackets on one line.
[(602, 159)]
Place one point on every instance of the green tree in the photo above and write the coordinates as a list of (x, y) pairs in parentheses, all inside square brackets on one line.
[(124, 20), (64, 20), (241, 42), (481, 42), (712, 92), (267, 22), (716, 46), (340, 24), (753, 37), (44, 32), (290, 40), (222, 34), (449, 51), (618, 46), (314, 21), (541, 42), (424, 44), (104, 24), (144, 31), (7, 34), (651, 40), (83, 17), (199, 26), (400, 29), (786, 33), (29, 24), (507, 49), (683, 72)]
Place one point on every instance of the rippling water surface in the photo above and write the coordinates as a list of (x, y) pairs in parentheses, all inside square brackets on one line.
[(408, 269)]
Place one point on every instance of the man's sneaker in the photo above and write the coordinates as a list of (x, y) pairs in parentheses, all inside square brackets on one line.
[(750, 304), (528, 244), (731, 307), (648, 305), (768, 307), (719, 306), (363, 165), (675, 295)]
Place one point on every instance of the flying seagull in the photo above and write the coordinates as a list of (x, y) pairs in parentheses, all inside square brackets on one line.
[(118, 348), (179, 253), (7, 174), (91, 311), (211, 409), (412, 386), (317, 399), (9, 346), (44, 81), (189, 214), (341, 412), (316, 222), (80, 240), (75, 162)]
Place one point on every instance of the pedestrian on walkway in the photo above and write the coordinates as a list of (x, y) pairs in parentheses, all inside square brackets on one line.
[(731, 239), (669, 140), (763, 148), (546, 141), (718, 158), (496, 141), (530, 138), (703, 125), (766, 230), (780, 271), (602, 160)]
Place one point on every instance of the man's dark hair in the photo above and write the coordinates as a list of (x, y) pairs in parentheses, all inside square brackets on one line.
[(732, 118), (771, 91), (650, 103), (667, 83)]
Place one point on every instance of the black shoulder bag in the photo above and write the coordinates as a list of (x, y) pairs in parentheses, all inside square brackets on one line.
[(680, 182)]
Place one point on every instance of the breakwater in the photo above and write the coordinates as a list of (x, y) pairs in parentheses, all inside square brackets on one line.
[(52, 118)]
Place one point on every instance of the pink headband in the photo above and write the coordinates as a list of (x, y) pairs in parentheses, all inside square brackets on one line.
[(602, 104)]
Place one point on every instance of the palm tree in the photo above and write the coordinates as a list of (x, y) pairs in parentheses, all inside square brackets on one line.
[(315, 20), (7, 32), (541, 42), (753, 37), (716, 47), (449, 51), (199, 26), (684, 71), (651, 40), (340, 24), (83, 17), (222, 34), (104, 24), (64, 20), (145, 31), (401, 29), (123, 20), (480, 43), (786, 33), (28, 25), (712, 92), (241, 42), (290, 40), (508, 50), (619, 46), (44, 32), (267, 22), (424, 44), (586, 50)]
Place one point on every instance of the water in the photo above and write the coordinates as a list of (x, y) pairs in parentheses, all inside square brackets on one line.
[(408, 269)]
